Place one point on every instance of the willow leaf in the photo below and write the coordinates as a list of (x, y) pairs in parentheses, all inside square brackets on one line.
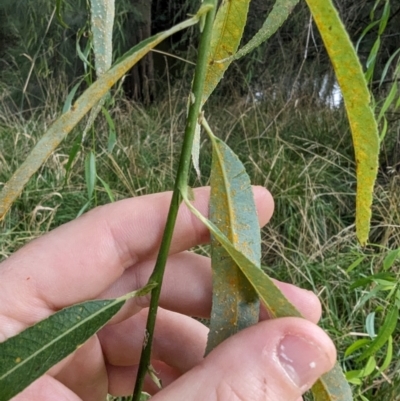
[(330, 385), (266, 289), (28, 355), (235, 303), (227, 32), (102, 14), (278, 15), (63, 125), (102, 20), (357, 101)]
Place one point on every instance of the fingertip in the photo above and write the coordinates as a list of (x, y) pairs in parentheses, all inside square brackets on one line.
[(264, 203), (305, 301)]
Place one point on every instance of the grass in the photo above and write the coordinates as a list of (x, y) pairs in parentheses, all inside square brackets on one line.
[(301, 151)]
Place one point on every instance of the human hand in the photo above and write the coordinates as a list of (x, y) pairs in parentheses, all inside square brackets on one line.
[(110, 251)]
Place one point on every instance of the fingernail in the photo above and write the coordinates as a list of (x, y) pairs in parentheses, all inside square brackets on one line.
[(303, 361)]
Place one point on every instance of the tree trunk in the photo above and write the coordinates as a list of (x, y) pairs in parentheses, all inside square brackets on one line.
[(139, 83)]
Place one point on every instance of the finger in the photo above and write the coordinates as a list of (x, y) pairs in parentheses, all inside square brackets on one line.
[(179, 341), (306, 302), (276, 360), (122, 378), (187, 289), (47, 389), (85, 372), (82, 258)]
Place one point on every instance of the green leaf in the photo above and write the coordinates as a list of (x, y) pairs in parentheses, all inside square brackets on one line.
[(63, 125), (112, 136), (391, 258), (102, 20), (28, 355), (355, 263), (59, 14), (388, 357), (369, 367), (72, 154), (277, 304), (90, 173), (278, 15), (384, 333), (356, 345), (357, 101), (227, 32), (269, 293), (70, 97), (370, 325), (235, 304), (108, 189), (332, 386)]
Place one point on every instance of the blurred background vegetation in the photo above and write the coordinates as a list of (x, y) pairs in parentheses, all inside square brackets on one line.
[(280, 110)]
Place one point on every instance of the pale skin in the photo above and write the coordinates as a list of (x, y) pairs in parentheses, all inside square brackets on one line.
[(110, 251)]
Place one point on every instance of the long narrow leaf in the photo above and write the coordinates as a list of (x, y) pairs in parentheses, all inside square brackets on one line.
[(357, 101), (332, 386), (90, 173), (268, 292), (235, 304), (278, 15), (63, 125), (227, 32), (384, 333), (102, 22), (28, 355)]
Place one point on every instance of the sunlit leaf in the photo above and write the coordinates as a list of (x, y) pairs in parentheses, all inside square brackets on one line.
[(357, 101), (385, 331), (28, 355), (235, 304), (63, 125)]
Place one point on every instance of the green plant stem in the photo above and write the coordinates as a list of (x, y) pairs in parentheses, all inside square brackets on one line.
[(180, 182)]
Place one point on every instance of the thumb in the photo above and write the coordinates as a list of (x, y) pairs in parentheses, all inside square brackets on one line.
[(276, 360)]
